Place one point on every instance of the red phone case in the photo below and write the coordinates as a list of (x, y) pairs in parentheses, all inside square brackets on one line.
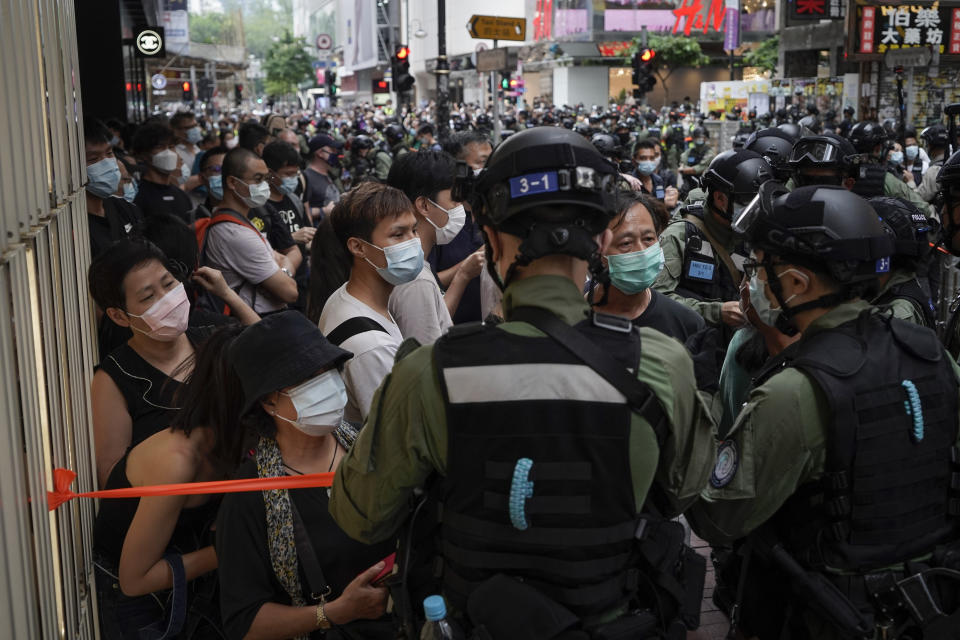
[(389, 561)]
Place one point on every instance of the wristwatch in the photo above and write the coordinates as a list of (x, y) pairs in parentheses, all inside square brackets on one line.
[(322, 622), (286, 271)]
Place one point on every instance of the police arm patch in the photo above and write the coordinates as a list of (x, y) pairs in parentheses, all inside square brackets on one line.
[(728, 460)]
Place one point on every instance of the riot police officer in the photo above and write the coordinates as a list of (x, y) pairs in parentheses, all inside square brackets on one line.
[(397, 139), (522, 429), (839, 469), (937, 141), (905, 288), (873, 179), (696, 159), (948, 181), (369, 160), (701, 256), (774, 145)]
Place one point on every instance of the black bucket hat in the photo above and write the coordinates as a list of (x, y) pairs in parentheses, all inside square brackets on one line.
[(280, 351)]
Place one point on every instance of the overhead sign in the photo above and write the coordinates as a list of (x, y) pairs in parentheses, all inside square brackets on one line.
[(158, 81), (906, 58), (149, 42), (497, 28), (882, 28), (492, 60), (324, 41)]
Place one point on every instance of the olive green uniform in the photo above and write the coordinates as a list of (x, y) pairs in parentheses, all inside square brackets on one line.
[(902, 308), (673, 244), (780, 436), (404, 440)]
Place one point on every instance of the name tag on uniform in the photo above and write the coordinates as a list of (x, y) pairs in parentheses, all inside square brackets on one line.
[(692, 159), (700, 270)]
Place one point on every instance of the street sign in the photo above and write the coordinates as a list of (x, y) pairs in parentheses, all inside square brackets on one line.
[(492, 60), (149, 42), (158, 81), (497, 28), (906, 58), (324, 41)]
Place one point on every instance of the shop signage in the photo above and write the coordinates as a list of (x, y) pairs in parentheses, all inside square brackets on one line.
[(815, 9), (614, 49), (693, 15), (149, 42), (884, 28)]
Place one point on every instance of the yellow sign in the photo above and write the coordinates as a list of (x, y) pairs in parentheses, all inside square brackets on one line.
[(497, 28)]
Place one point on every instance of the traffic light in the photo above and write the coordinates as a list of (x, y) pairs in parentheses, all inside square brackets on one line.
[(330, 82), (205, 88), (402, 80), (187, 91), (643, 72), (238, 94), (505, 82)]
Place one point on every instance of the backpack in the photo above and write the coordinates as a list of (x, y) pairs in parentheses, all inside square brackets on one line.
[(203, 299)]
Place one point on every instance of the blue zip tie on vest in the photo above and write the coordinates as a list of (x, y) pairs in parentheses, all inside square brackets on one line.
[(520, 490), (913, 408)]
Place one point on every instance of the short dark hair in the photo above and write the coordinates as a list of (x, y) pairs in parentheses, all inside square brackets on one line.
[(206, 159), (150, 136), (426, 128), (644, 143), (236, 161), (180, 117), (658, 211), (456, 145), (250, 134), (175, 239), (108, 270), (95, 132), (279, 154), (356, 215), (422, 173)]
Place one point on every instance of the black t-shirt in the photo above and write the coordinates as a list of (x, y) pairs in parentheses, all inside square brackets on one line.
[(286, 212), (119, 220), (154, 199), (322, 190), (453, 253), (670, 317), (267, 220), (247, 579)]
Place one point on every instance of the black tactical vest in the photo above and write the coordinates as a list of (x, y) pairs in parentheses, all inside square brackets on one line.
[(538, 479), (889, 492), (704, 275), (912, 291), (870, 181)]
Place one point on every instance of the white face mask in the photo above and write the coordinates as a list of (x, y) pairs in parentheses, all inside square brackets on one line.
[(167, 317), (455, 219), (259, 194), (184, 173), (165, 160), (231, 143), (319, 403)]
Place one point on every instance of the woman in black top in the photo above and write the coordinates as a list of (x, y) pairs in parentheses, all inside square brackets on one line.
[(132, 392), (294, 397), (144, 547)]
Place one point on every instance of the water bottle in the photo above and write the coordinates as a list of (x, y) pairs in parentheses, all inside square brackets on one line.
[(438, 627)]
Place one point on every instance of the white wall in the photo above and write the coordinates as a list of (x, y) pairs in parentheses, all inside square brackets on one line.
[(572, 85)]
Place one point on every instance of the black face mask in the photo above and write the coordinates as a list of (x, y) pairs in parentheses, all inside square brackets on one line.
[(803, 180), (624, 137)]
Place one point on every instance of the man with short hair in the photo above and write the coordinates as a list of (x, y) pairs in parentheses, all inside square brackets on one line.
[(109, 218), (188, 135), (648, 162), (426, 135), (253, 136), (154, 146), (323, 189), (261, 276)]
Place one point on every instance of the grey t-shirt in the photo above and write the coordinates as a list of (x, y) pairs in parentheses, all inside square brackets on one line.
[(419, 309), (245, 258)]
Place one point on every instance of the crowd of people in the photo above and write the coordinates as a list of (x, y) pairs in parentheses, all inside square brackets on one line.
[(535, 363)]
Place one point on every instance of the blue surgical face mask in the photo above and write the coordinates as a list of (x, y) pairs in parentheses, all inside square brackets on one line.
[(646, 167), (635, 271), (896, 157), (194, 134), (758, 300), (289, 184), (130, 191), (104, 177), (404, 261), (215, 183), (912, 151)]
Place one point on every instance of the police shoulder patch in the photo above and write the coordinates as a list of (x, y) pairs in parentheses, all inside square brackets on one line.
[(727, 462)]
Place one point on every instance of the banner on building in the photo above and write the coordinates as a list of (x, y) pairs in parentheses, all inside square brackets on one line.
[(881, 27)]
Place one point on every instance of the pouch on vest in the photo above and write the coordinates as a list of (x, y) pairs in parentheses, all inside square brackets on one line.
[(507, 608)]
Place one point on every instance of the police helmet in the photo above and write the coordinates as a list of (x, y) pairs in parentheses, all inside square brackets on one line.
[(793, 130), (866, 135), (810, 122), (775, 145), (361, 142), (606, 144), (908, 226), (737, 173), (826, 229), (828, 150), (483, 121), (830, 115), (848, 110), (948, 183), (394, 133), (936, 136), (700, 132)]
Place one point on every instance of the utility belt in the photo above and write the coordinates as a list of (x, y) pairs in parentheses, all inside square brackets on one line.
[(663, 587), (921, 600)]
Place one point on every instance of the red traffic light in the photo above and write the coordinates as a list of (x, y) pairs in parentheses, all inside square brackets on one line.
[(382, 84), (403, 52), (186, 86), (648, 55), (129, 86)]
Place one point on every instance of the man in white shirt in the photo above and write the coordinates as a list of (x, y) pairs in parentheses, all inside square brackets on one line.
[(374, 230)]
